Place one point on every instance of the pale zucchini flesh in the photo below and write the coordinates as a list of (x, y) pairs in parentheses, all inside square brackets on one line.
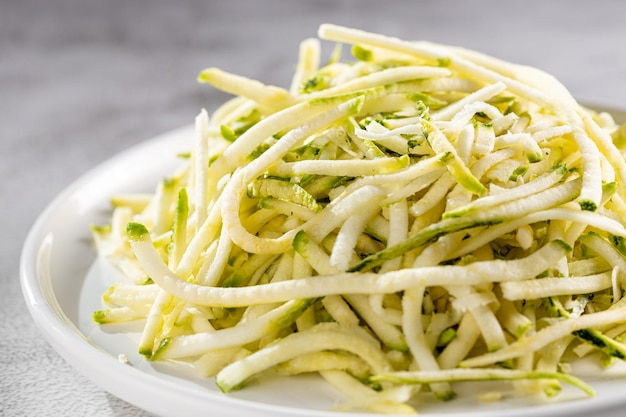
[(414, 216)]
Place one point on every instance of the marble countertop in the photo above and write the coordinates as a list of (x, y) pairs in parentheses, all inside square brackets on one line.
[(81, 81)]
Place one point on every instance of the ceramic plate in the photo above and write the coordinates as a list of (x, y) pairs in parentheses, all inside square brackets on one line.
[(63, 280)]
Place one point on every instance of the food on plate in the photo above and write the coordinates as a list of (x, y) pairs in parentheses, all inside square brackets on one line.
[(410, 217)]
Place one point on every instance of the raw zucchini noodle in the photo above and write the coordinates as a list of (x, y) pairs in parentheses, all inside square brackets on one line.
[(400, 221)]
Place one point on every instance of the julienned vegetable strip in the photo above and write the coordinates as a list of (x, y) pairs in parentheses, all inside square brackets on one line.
[(548, 335), (342, 283), (455, 375), (312, 340), (403, 218)]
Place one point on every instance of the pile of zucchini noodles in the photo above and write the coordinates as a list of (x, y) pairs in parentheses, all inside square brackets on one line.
[(412, 217)]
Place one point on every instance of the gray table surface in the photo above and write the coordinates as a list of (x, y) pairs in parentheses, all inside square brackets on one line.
[(82, 80)]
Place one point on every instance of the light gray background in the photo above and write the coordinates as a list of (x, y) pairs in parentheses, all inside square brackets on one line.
[(82, 80)]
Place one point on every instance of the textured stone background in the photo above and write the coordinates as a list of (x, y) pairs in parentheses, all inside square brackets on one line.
[(81, 80)]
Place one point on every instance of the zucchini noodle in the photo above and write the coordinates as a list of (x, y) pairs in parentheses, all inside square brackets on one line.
[(399, 221)]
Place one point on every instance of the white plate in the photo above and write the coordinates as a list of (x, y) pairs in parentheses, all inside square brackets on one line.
[(63, 281)]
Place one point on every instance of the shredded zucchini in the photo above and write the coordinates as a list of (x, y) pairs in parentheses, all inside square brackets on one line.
[(414, 216)]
